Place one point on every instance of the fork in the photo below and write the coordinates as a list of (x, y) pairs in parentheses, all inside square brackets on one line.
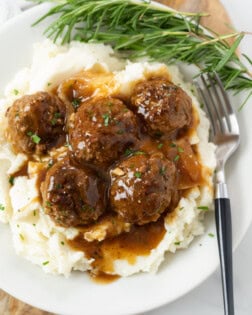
[(225, 135)]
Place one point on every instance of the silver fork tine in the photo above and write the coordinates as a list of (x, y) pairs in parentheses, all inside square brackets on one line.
[(224, 94), (224, 115), (211, 106), (234, 127)]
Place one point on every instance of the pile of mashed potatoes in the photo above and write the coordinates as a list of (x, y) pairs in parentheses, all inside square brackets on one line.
[(35, 235)]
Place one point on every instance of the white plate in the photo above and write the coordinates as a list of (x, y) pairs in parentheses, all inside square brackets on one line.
[(179, 273)]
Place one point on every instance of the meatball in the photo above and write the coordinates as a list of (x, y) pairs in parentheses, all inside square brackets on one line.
[(163, 106), (73, 196), (142, 187), (36, 123), (101, 130)]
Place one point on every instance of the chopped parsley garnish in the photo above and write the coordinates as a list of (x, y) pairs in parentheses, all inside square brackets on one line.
[(56, 116), (106, 118), (2, 208), (45, 263), (34, 213), (110, 104), (211, 234), (34, 224), (177, 243), (50, 164), (49, 83), (160, 145), (48, 203), (67, 144), (76, 103), (172, 145), (87, 208), (58, 186), (21, 236), (158, 134), (177, 157), (18, 225), (62, 243), (204, 208), (129, 152), (181, 208), (138, 174), (162, 170), (11, 180), (35, 138), (180, 149), (139, 153), (15, 92), (120, 132)]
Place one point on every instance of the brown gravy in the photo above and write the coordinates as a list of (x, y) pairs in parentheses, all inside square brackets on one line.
[(138, 242)]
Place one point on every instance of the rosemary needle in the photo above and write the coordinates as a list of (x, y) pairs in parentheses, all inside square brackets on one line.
[(142, 29)]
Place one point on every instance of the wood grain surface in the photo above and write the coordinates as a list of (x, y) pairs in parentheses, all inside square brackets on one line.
[(219, 21)]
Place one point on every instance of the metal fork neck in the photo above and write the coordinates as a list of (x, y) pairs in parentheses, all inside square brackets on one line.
[(220, 183)]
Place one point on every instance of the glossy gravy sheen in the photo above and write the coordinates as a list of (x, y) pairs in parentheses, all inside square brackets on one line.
[(138, 242)]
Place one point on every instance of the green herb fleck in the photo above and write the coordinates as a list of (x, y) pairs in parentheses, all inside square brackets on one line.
[(177, 157), (76, 103), (138, 174), (106, 118), (162, 170), (56, 116), (128, 152), (15, 92), (180, 149), (35, 138), (160, 145), (177, 243), (120, 132), (181, 208), (172, 145), (211, 234), (45, 263), (21, 236), (87, 208), (34, 224), (62, 243), (139, 153), (58, 186), (34, 213), (50, 164), (2, 208), (204, 208), (48, 203), (49, 83), (11, 180)]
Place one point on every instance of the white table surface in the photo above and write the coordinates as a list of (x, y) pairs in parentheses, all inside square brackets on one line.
[(207, 298)]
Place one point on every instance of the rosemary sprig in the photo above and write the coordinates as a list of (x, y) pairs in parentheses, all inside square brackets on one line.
[(140, 29)]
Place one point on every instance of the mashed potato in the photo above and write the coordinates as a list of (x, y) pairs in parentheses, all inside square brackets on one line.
[(35, 236)]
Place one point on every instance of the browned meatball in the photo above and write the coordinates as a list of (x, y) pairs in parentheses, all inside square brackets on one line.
[(36, 123), (72, 196), (142, 187), (101, 130), (163, 106)]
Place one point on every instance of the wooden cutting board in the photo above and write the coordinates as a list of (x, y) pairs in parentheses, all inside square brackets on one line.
[(218, 20)]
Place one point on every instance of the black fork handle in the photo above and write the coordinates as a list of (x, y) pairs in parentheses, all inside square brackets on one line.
[(224, 235)]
